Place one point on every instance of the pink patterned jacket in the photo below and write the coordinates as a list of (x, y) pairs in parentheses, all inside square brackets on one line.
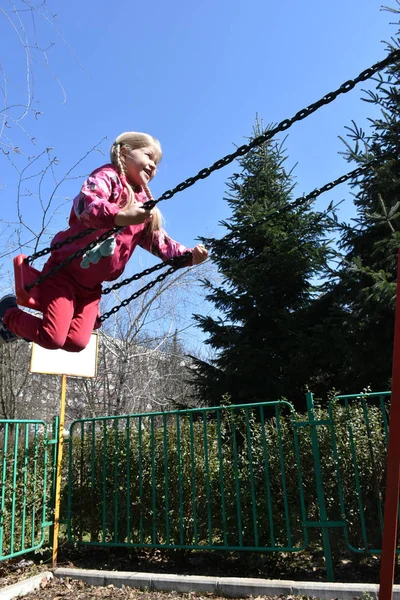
[(96, 206)]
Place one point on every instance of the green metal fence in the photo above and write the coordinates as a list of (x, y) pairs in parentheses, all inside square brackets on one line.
[(360, 433), (26, 483), (256, 477), (215, 478), (253, 477)]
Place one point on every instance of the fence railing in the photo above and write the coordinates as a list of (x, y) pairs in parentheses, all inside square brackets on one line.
[(255, 477), (216, 478), (360, 437), (26, 483)]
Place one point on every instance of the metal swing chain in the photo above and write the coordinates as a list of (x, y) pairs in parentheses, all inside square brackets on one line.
[(219, 164), (302, 200), (142, 290), (70, 239), (241, 151), (282, 126), (179, 261), (68, 260)]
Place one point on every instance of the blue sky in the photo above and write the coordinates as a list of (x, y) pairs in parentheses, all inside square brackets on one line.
[(194, 75)]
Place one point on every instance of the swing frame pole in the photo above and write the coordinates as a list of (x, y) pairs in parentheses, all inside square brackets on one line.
[(389, 540)]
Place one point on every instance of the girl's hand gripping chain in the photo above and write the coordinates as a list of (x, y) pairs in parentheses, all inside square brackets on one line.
[(134, 214), (199, 254)]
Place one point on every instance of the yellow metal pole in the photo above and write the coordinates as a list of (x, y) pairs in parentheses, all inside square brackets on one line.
[(59, 469)]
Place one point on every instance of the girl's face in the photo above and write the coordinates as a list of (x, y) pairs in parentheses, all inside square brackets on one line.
[(141, 163)]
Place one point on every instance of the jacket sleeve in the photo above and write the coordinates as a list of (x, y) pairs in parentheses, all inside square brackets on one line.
[(160, 244), (98, 201)]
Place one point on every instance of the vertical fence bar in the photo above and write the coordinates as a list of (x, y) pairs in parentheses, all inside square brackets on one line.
[(357, 477), (82, 500), (70, 492), (44, 497), (24, 482), (221, 478), (116, 452), (153, 482), (14, 486), (237, 484), (384, 418), (267, 478), (193, 478), (34, 484), (180, 486), (166, 489), (339, 476), (299, 477), (128, 480), (205, 438), (140, 466), (283, 474), (320, 488), (3, 486), (378, 497), (251, 471), (104, 515), (54, 432), (92, 480)]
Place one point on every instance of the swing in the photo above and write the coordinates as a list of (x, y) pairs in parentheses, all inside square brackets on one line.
[(25, 275), (28, 293)]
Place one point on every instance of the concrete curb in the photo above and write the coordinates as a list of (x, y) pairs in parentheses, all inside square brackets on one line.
[(232, 587), (22, 588)]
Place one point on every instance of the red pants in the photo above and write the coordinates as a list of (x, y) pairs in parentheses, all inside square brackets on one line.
[(69, 314)]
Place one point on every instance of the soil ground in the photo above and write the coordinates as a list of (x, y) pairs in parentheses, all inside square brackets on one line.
[(299, 567), (58, 589)]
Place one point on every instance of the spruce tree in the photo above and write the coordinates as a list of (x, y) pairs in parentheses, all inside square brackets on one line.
[(267, 284), (364, 291)]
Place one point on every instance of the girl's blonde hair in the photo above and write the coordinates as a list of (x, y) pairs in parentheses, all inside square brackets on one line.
[(133, 140)]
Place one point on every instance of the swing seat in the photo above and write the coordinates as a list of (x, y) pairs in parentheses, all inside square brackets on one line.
[(25, 274)]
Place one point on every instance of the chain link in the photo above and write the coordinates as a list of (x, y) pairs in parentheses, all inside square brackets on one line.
[(58, 245), (68, 260), (177, 262), (302, 200), (282, 126), (219, 164), (72, 238), (142, 290)]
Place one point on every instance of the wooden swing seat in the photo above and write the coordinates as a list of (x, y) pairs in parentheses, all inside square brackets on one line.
[(25, 274)]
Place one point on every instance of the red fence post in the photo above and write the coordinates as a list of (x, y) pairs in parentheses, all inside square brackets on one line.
[(389, 541)]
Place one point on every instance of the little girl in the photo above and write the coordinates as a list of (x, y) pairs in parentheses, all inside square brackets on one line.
[(111, 196)]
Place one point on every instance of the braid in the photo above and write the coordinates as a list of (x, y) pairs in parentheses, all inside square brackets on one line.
[(155, 224), (119, 163), (117, 154), (148, 192)]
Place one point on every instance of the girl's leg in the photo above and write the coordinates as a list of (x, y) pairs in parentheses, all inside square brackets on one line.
[(83, 322), (59, 298)]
